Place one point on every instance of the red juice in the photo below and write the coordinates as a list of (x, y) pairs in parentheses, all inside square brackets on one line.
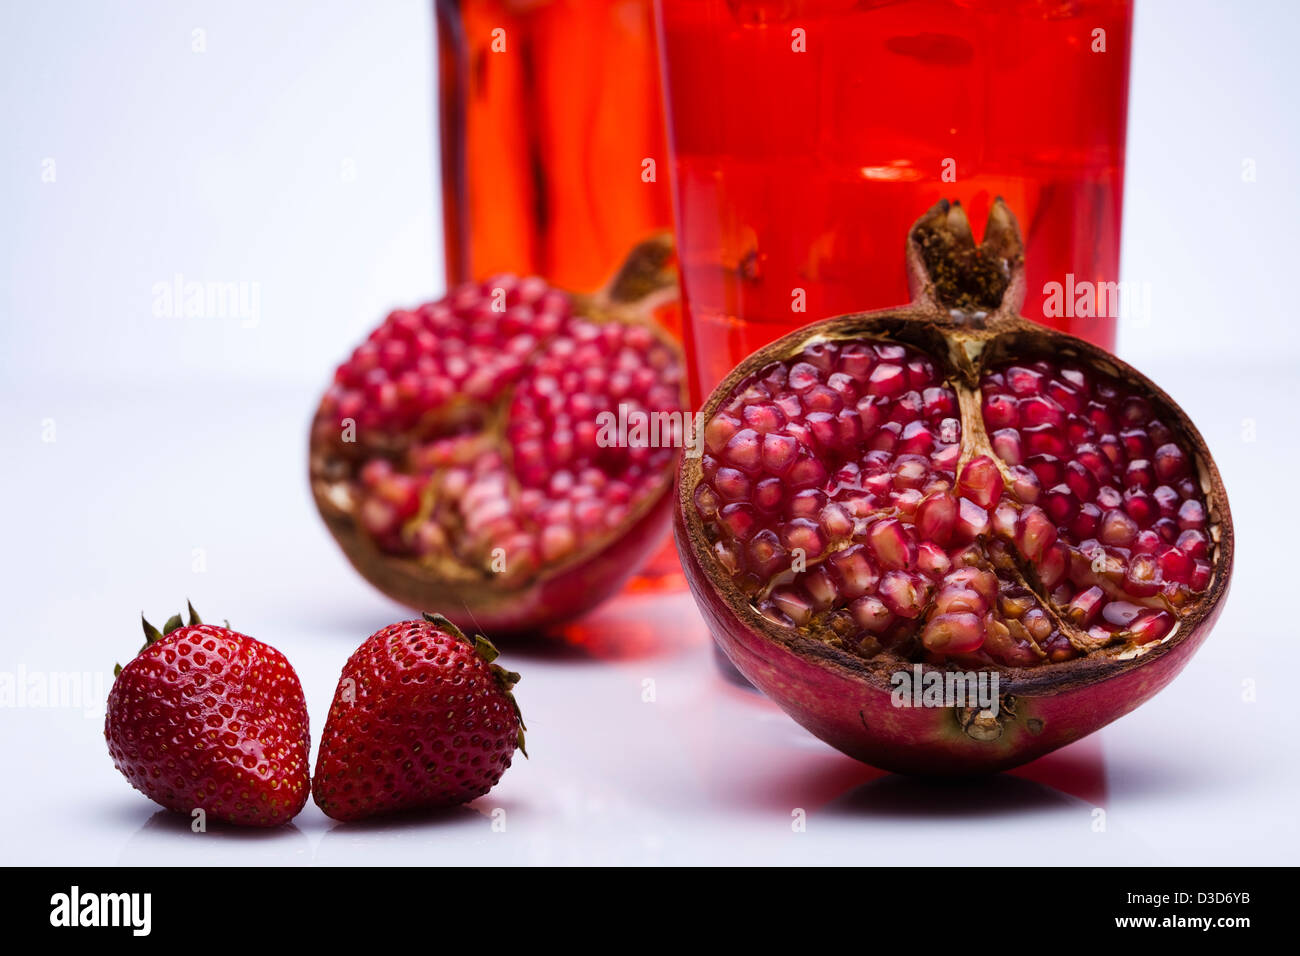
[(807, 137)]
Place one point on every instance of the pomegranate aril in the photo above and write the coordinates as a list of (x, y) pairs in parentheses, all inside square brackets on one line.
[(1175, 565), (794, 605), (1142, 576), (1191, 514), (1006, 445), (980, 481), (1170, 462), (871, 614), (1051, 570), (1151, 627), (935, 518), (1035, 533), (1023, 381), (1000, 411), (953, 633), (932, 560), (972, 521), (1083, 609), (954, 598), (766, 556), (744, 450), (887, 379), (856, 573), (804, 535), (890, 544), (904, 594), (1040, 410), (1202, 572), (739, 520), (768, 494), (1060, 504)]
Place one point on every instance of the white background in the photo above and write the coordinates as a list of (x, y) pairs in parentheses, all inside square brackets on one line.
[(298, 153)]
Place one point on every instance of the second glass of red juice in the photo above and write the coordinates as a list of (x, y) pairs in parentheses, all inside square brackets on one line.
[(807, 136)]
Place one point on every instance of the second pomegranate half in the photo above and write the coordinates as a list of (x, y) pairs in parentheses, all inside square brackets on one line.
[(947, 488), (464, 457)]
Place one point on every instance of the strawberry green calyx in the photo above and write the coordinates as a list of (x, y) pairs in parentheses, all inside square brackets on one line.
[(153, 635), (486, 650)]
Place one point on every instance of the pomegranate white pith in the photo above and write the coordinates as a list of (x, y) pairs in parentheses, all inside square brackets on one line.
[(460, 457), (951, 485)]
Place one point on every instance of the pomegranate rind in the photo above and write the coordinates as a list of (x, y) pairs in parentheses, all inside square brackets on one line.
[(846, 699)]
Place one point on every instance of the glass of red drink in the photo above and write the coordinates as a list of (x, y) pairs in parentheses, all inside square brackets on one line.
[(807, 135)]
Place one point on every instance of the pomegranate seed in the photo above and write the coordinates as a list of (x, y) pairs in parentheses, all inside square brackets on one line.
[(1151, 627), (807, 472), (889, 543), (935, 518), (903, 593), (1120, 613), (981, 481), (739, 520), (871, 614), (1000, 412), (972, 521), (887, 379), (1051, 571), (1035, 533), (1006, 445), (1024, 484), (1117, 528), (731, 484), (938, 403), (1083, 609), (984, 583), (804, 376), (1139, 474), (743, 449), (856, 573), (1191, 514), (953, 633), (768, 494), (766, 556), (1044, 440), (1023, 381), (706, 501), (1140, 507), (803, 534), (1201, 574), (1004, 520), (763, 418), (932, 559), (953, 598), (1170, 462), (1047, 469), (1142, 577), (794, 605), (1060, 504), (1175, 566), (1193, 543)]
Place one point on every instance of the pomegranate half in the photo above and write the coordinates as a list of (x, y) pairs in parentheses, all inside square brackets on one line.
[(465, 457), (947, 488)]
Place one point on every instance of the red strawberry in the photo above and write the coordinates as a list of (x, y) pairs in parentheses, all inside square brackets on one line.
[(206, 717), (422, 717)]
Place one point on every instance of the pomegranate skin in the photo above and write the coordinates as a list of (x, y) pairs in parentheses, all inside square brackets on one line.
[(847, 703), (847, 699)]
